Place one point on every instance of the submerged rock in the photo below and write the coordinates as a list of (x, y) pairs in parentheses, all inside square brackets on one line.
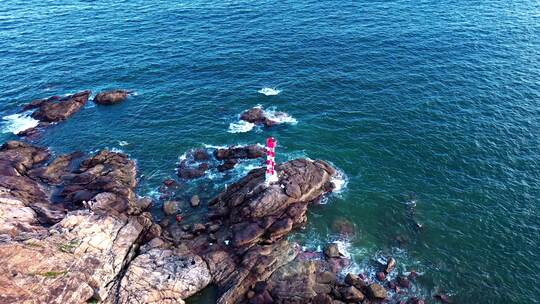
[(187, 172), (111, 97)]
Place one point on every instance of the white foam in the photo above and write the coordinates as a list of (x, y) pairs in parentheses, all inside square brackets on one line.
[(208, 146), (240, 127), (123, 143), (340, 181), (117, 150), (16, 123), (154, 193), (269, 91), (280, 117)]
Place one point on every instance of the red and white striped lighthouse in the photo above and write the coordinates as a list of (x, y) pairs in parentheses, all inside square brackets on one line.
[(271, 175)]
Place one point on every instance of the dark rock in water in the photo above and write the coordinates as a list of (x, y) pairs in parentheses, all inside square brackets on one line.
[(442, 298), (34, 104), (344, 227), (201, 155), (228, 164), (338, 264), (351, 294), (332, 251), (170, 183), (413, 275), (240, 152), (403, 282), (390, 265), (187, 172), (34, 132), (57, 109), (257, 116), (111, 97), (381, 276), (52, 110), (376, 292)]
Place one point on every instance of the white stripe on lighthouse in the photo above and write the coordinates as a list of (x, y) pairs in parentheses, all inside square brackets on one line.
[(271, 174)]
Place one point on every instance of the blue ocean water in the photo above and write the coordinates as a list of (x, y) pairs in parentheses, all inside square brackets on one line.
[(435, 98)]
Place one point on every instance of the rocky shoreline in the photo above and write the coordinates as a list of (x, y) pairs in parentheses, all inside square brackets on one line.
[(73, 230)]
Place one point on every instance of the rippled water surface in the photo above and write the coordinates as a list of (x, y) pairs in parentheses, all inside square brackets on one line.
[(432, 100)]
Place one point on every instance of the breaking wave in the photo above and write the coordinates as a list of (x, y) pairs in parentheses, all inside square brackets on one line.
[(240, 127), (279, 117), (269, 91), (19, 122)]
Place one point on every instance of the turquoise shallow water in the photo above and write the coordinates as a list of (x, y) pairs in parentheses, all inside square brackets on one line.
[(438, 98)]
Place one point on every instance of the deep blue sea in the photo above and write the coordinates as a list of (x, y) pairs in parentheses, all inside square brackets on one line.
[(432, 101)]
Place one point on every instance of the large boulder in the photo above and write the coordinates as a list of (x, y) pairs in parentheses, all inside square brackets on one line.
[(240, 152), (111, 97), (56, 109), (20, 194), (257, 116), (163, 274)]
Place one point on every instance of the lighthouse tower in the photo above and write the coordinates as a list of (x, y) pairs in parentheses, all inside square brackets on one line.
[(271, 174)]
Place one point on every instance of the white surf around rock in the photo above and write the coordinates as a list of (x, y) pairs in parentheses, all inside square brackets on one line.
[(19, 122)]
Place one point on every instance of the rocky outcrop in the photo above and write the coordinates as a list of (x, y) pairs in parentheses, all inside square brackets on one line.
[(54, 109), (240, 152), (162, 273), (111, 97), (90, 243), (198, 162), (257, 116), (241, 241), (24, 202), (72, 230)]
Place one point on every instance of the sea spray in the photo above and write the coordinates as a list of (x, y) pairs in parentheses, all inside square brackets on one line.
[(19, 122), (269, 91), (278, 117), (240, 127)]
